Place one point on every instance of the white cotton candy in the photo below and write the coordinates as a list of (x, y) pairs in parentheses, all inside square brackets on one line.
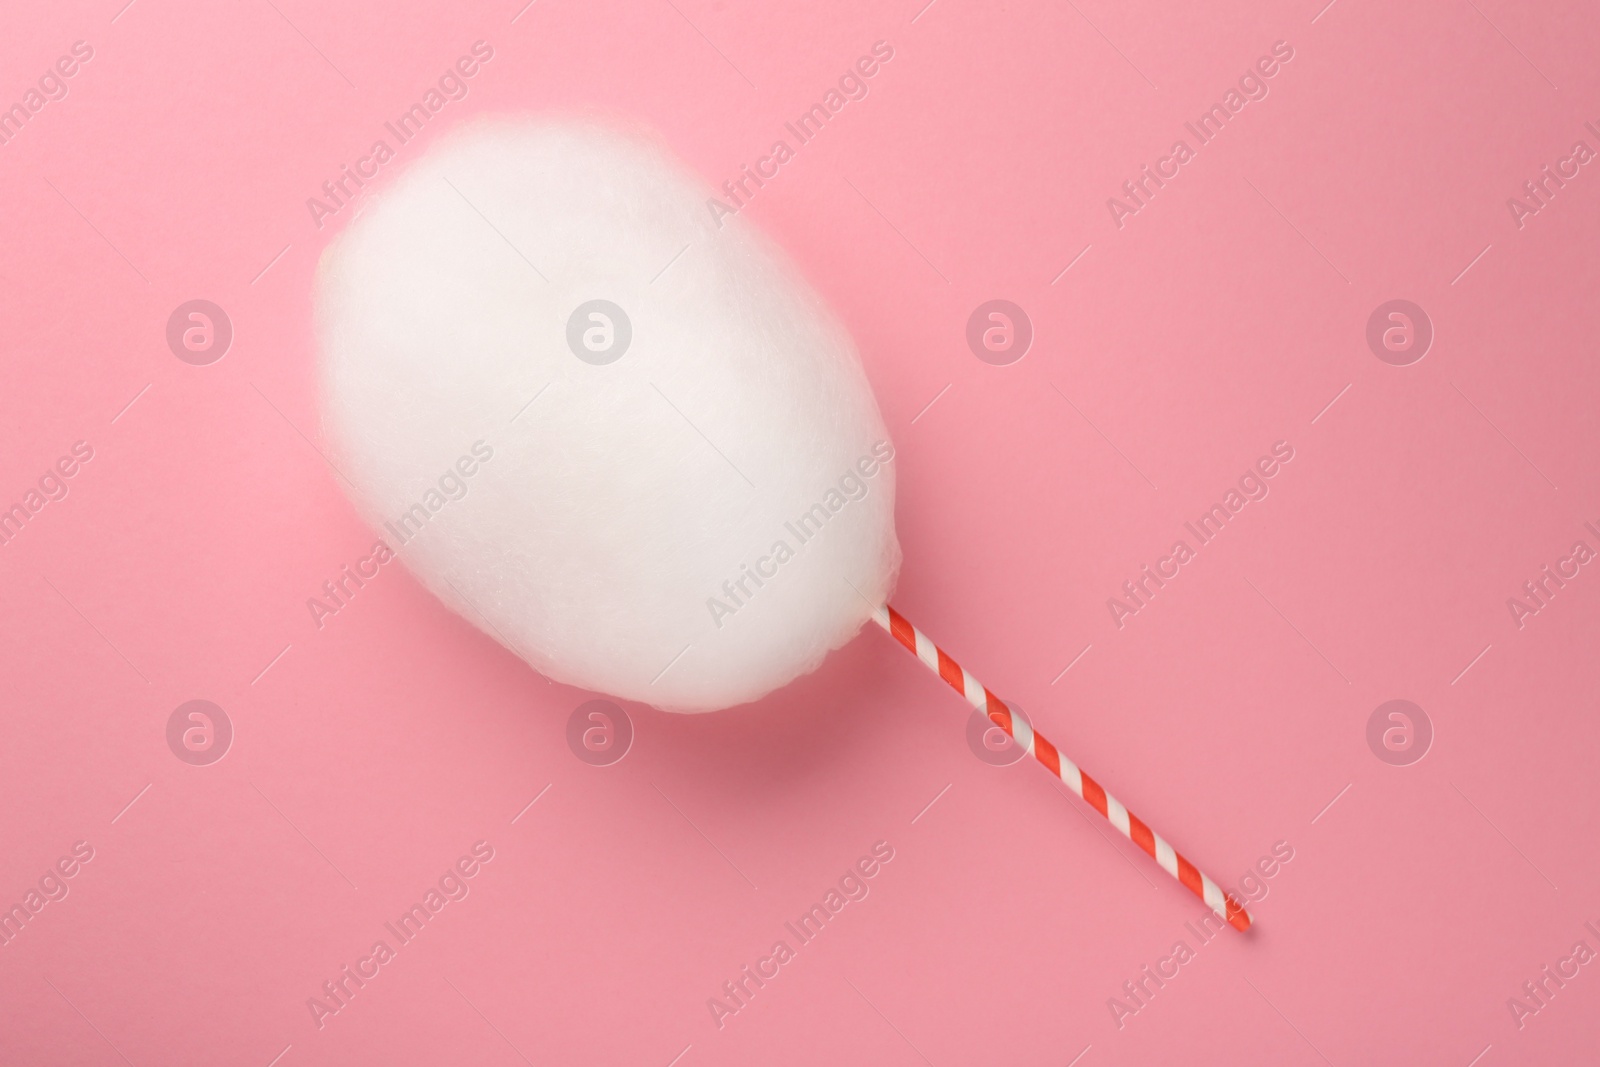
[(616, 524)]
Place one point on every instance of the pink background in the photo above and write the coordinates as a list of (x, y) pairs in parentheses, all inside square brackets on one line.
[(1223, 317)]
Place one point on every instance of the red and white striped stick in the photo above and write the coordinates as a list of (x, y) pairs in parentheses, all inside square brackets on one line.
[(1033, 743)]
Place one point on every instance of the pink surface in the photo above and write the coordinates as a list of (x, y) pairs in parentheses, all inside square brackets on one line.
[(1225, 315)]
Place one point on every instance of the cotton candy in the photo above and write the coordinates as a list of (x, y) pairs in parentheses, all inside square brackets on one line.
[(629, 443)]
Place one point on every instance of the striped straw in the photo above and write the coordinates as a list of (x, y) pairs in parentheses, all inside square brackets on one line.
[(1132, 827)]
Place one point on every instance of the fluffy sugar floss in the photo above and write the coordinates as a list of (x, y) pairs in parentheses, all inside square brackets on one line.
[(631, 445)]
